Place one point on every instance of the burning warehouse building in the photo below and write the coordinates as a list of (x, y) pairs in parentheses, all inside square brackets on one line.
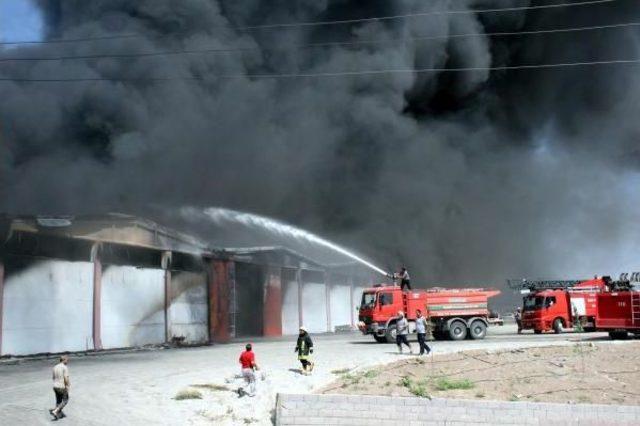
[(114, 281)]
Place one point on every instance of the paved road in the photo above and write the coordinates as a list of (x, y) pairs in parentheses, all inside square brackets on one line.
[(138, 387)]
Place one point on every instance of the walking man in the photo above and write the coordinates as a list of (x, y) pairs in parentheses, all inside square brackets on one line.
[(402, 331), (249, 367), (518, 317), (61, 385), (304, 348), (421, 329)]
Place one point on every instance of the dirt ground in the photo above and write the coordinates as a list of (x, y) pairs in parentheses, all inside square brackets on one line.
[(196, 386), (599, 373)]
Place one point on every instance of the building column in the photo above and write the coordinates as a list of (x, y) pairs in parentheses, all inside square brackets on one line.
[(220, 300), (97, 297), (1, 300), (327, 292), (352, 305), (166, 265), (272, 308), (300, 310)]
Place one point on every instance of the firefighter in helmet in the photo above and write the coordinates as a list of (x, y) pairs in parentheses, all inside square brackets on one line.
[(304, 348)]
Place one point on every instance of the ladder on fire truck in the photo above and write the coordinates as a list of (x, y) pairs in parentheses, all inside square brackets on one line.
[(524, 284), (635, 308)]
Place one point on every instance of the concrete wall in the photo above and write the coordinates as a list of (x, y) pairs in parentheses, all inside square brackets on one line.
[(340, 306), (392, 411), (314, 307), (357, 297), (290, 321), (132, 306), (188, 310), (47, 307)]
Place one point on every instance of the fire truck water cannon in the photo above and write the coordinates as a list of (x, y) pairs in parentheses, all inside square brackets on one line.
[(455, 313), (555, 305)]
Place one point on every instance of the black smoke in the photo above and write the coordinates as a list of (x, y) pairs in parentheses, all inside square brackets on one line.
[(464, 177)]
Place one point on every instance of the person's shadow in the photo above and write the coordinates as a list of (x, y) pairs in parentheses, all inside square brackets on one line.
[(296, 370)]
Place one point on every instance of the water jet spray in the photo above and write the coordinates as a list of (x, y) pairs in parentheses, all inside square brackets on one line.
[(220, 215)]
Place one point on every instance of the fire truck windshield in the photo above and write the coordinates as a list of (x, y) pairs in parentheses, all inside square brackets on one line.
[(532, 303), (368, 300)]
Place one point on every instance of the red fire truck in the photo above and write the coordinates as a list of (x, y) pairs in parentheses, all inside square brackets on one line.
[(557, 304), (455, 313), (618, 311)]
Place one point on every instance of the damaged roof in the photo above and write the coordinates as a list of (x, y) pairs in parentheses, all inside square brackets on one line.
[(114, 228)]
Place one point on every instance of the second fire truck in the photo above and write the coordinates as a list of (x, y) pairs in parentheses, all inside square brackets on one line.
[(555, 305)]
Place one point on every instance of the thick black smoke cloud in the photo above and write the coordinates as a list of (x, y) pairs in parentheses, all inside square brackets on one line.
[(470, 176)]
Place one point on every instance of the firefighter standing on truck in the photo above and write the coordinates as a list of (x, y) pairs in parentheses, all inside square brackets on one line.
[(402, 279), (304, 347), (405, 279)]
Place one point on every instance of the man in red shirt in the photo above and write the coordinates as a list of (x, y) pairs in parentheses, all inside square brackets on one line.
[(249, 366)]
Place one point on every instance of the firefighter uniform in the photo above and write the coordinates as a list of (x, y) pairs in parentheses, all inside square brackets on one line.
[(304, 348)]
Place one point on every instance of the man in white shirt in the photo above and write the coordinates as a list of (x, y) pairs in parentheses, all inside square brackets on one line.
[(61, 385), (421, 329), (402, 330)]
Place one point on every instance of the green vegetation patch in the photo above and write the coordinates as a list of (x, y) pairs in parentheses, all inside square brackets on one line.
[(418, 389), (188, 394), (445, 384)]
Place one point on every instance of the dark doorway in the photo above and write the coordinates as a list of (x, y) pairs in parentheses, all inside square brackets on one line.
[(249, 299)]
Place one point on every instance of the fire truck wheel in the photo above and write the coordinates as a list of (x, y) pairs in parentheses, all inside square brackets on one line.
[(557, 326), (390, 335), (478, 330), (380, 339), (458, 330)]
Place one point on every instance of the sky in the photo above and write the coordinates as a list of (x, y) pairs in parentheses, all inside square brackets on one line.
[(19, 20)]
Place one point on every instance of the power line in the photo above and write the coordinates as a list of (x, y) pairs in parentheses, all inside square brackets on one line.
[(322, 23), (317, 45), (326, 74), (421, 14)]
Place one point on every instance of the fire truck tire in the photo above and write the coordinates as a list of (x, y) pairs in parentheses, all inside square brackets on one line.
[(558, 328), (478, 330), (380, 339), (390, 334), (457, 330)]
